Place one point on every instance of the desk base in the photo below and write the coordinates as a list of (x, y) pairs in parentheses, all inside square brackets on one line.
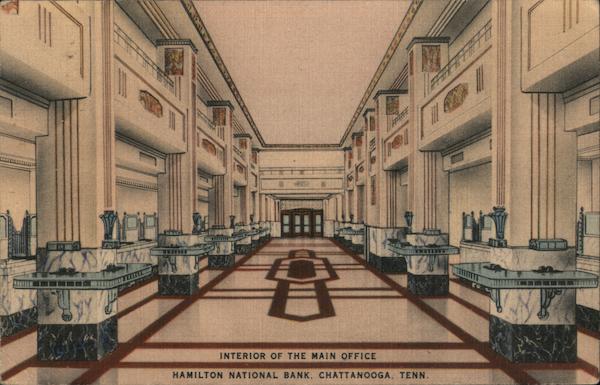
[(174, 284), (389, 265), (221, 261), (428, 285), (13, 323), (83, 342), (533, 343)]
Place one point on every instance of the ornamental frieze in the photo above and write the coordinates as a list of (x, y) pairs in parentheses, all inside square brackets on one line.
[(456, 97), (151, 103)]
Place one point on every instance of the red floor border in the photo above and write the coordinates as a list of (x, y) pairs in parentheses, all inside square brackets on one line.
[(509, 368), (123, 350), (307, 365), (306, 345)]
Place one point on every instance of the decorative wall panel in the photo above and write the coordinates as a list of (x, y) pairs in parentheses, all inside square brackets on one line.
[(219, 116), (209, 147), (431, 58), (456, 97), (174, 61), (9, 7), (392, 105), (151, 103)]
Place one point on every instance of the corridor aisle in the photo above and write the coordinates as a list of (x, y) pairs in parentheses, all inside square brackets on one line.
[(251, 324)]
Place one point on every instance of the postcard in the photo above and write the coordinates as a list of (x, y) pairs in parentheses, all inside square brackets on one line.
[(296, 192)]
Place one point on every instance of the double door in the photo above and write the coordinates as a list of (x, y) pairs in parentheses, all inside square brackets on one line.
[(302, 223)]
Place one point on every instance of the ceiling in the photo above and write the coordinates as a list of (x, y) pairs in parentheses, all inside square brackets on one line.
[(302, 66)]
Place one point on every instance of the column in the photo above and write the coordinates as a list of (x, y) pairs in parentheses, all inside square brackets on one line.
[(275, 224), (387, 104), (426, 257), (359, 203), (262, 206), (179, 250), (76, 183), (372, 215), (348, 184), (534, 190), (222, 114), (223, 254), (256, 202), (177, 187), (427, 182), (244, 144)]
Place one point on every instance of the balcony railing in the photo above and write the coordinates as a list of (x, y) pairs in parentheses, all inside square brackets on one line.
[(239, 152), (206, 120), (122, 39), (219, 130), (394, 119), (472, 46)]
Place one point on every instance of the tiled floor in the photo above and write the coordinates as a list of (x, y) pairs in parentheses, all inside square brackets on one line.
[(440, 340)]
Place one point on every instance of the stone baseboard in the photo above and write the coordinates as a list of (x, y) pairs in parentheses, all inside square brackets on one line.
[(13, 323), (357, 248), (428, 285), (588, 318), (533, 343), (244, 249), (221, 261), (178, 284), (389, 265), (87, 342)]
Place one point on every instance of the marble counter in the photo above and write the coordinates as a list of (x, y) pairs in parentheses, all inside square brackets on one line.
[(92, 260), (532, 313), (18, 309), (379, 255)]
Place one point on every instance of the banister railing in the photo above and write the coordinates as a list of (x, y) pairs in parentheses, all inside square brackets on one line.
[(122, 39), (483, 35)]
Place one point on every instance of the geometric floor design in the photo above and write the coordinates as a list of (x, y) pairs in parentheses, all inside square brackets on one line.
[(362, 327)]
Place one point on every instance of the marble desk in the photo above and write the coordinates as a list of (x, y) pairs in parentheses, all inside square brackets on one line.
[(532, 312)]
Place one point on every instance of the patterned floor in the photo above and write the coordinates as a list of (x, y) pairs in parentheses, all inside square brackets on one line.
[(305, 309)]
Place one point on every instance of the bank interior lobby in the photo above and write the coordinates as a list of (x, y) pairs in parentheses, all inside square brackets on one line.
[(299, 192)]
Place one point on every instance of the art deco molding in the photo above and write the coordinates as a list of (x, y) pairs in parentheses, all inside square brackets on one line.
[(126, 182), (182, 42), (17, 161)]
